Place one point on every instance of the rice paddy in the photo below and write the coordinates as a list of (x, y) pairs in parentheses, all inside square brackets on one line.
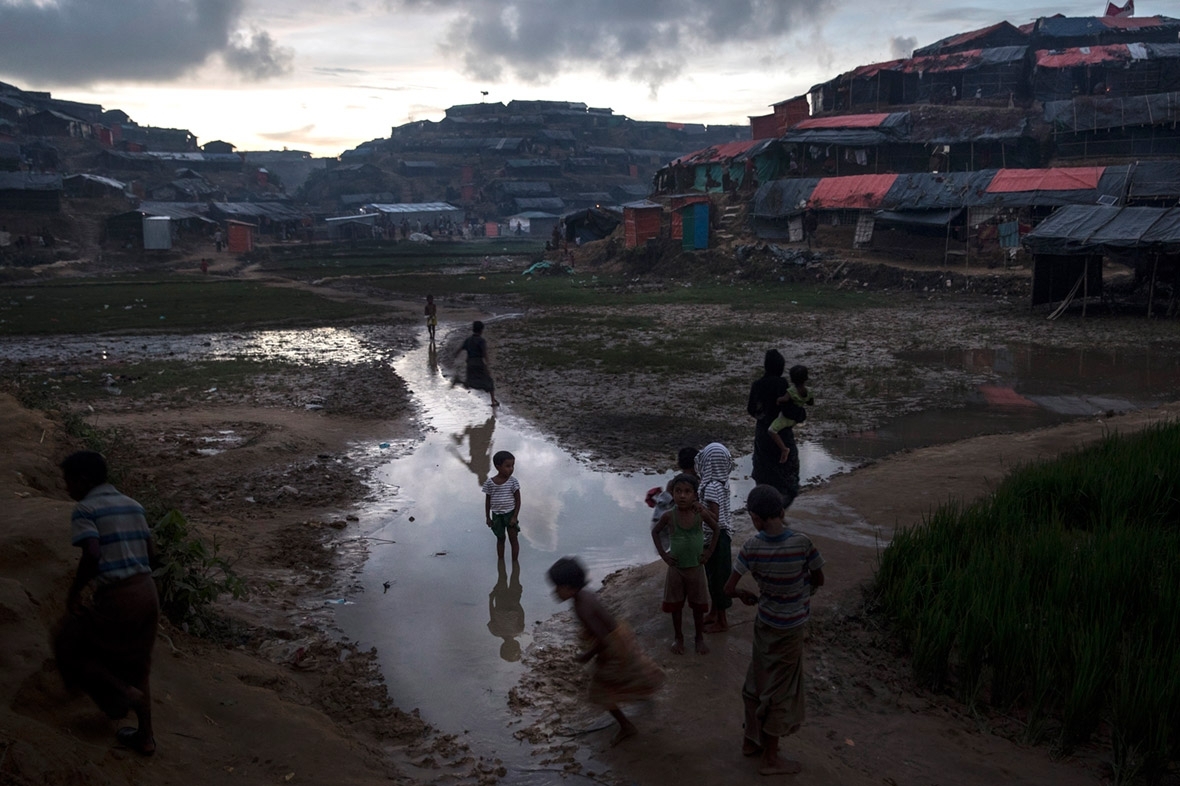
[(1057, 599)]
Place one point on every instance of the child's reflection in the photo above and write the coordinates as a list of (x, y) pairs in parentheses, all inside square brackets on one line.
[(505, 614), (432, 359), (479, 440)]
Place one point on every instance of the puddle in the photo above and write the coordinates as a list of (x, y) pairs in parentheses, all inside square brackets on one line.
[(448, 623)]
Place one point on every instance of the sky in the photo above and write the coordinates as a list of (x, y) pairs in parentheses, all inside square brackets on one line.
[(326, 75)]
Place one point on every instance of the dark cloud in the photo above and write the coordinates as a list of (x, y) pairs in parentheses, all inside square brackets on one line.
[(256, 56), (902, 46), (79, 42), (649, 41)]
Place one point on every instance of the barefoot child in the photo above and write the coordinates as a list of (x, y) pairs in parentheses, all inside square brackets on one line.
[(713, 464), (105, 648), (502, 503), (788, 570), (791, 411), (686, 558), (622, 672)]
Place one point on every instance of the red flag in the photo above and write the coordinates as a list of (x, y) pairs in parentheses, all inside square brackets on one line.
[(1120, 10)]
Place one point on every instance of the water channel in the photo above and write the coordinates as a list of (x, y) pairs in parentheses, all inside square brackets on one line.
[(448, 621)]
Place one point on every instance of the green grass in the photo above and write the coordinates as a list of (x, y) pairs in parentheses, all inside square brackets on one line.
[(1058, 596), (578, 290), (162, 303)]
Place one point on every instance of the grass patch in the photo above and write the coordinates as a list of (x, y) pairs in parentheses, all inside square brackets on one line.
[(1057, 596), (170, 303), (590, 291)]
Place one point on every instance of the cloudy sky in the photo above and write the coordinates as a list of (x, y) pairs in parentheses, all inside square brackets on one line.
[(325, 75)]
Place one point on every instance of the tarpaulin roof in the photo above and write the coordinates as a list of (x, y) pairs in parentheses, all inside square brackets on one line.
[(926, 218), (843, 121), (785, 197), (856, 130), (855, 191), (1083, 55), (962, 61), (1155, 179), (1081, 26), (1088, 113), (414, 207), (275, 211), (175, 210), (1061, 179), (716, 154), (1071, 186), (928, 191), (1084, 229), (1001, 31)]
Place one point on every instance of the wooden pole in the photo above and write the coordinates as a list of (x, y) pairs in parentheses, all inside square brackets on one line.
[(1085, 285), (1151, 290)]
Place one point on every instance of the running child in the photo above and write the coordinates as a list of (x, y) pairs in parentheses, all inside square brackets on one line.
[(791, 411), (622, 672), (685, 580), (788, 570), (502, 503)]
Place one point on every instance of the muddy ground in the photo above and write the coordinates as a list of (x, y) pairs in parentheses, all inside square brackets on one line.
[(279, 699)]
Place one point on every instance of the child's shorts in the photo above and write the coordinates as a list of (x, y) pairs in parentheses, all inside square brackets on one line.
[(686, 584), (501, 524)]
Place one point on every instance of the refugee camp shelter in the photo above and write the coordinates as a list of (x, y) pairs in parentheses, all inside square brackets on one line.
[(157, 233), (1098, 127), (352, 227), (30, 191), (726, 167), (239, 236), (641, 222), (92, 186), (589, 224), (417, 214), (693, 221), (1068, 248), (533, 222)]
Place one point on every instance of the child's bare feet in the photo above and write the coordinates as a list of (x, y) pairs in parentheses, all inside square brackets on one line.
[(678, 646), (749, 748), (625, 730), (709, 618), (716, 627), (776, 765), (702, 647)]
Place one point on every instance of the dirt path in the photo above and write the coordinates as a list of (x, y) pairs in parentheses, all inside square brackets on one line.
[(867, 723)]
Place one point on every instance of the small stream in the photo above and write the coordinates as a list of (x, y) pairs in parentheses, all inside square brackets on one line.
[(452, 622)]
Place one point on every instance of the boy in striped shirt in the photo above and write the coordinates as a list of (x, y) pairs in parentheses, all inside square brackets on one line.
[(502, 503), (788, 570)]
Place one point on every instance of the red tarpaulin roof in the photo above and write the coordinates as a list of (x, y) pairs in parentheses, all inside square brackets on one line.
[(854, 191), (1132, 22), (842, 121), (1076, 178), (1082, 55), (719, 153)]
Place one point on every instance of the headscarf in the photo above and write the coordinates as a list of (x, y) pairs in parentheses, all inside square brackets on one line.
[(713, 464)]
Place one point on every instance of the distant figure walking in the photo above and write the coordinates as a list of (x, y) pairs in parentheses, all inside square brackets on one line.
[(478, 375), (218, 240), (431, 311), (105, 649)]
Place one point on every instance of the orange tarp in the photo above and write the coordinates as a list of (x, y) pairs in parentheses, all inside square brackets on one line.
[(854, 191), (1078, 178), (843, 121)]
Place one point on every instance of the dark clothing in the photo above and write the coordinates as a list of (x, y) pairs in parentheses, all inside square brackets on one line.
[(717, 571), (478, 376), (763, 406), (109, 648)]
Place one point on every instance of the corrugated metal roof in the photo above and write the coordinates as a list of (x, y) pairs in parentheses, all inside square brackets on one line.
[(844, 121), (415, 207)]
